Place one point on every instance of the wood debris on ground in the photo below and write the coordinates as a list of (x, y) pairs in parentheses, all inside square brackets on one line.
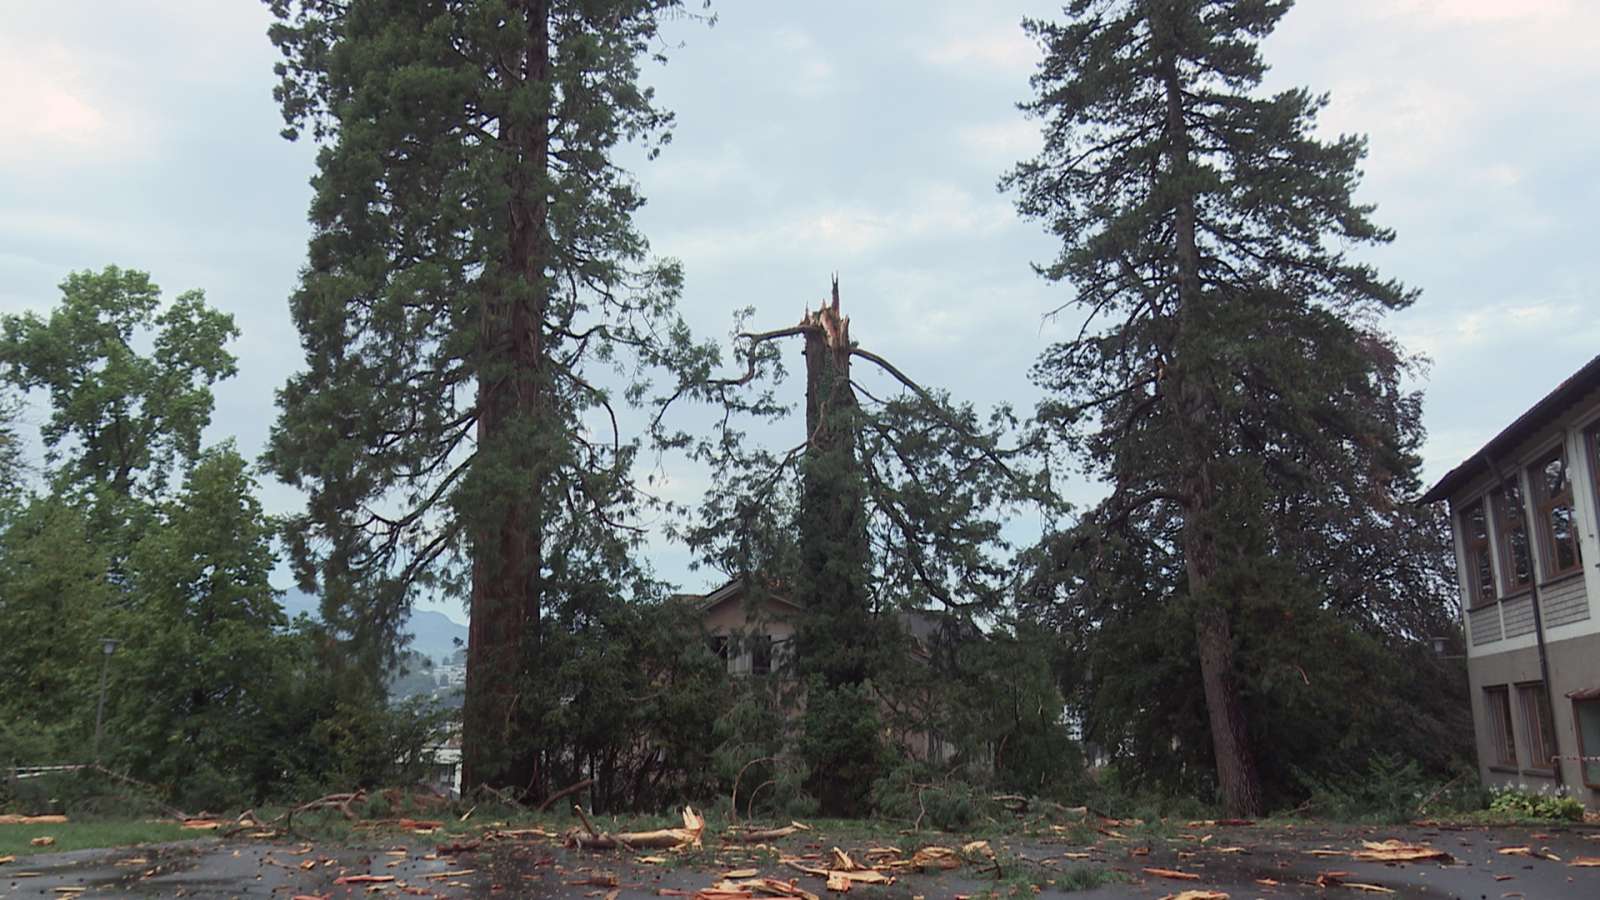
[(1170, 873), (1394, 850), (42, 841), (759, 835), (1585, 861), (588, 838), (32, 820), (751, 889), (1337, 879), (1197, 895)]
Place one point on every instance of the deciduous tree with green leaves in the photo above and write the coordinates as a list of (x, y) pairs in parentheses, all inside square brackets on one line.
[(1230, 380), (476, 307)]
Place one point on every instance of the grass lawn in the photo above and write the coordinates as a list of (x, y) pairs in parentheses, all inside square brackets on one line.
[(15, 839)]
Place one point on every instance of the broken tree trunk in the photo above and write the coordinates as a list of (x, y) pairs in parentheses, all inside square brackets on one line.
[(663, 839)]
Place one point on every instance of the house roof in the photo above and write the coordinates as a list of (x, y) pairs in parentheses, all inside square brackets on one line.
[(1566, 394), (730, 590)]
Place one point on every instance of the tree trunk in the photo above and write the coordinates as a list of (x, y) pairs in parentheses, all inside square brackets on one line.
[(1237, 776), (507, 547), (828, 378)]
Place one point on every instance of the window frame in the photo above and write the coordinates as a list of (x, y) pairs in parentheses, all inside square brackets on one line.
[(1538, 731), (1546, 505), (1584, 750), (1591, 446), (1476, 548), (1497, 703), (1507, 526)]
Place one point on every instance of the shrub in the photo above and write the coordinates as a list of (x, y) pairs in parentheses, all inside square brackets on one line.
[(1550, 806)]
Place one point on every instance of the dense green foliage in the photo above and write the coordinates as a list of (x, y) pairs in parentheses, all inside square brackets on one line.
[(145, 536), (490, 353), (1261, 552), (476, 309)]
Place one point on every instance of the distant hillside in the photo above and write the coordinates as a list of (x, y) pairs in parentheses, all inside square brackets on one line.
[(434, 634)]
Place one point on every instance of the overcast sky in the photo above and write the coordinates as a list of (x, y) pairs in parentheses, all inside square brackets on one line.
[(858, 138)]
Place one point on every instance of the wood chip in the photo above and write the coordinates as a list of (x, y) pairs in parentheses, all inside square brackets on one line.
[(363, 879), (1582, 861), (1171, 873), (44, 841), (1398, 851), (1197, 895)]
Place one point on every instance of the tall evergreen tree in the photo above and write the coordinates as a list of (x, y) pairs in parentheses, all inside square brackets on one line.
[(1229, 366), (476, 303), (888, 505)]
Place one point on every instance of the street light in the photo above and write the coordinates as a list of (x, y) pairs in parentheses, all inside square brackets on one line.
[(108, 646)]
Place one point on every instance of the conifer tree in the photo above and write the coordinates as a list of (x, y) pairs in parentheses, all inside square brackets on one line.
[(888, 505), (1230, 367), (476, 306)]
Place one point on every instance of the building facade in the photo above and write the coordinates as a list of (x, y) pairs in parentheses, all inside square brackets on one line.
[(1525, 515)]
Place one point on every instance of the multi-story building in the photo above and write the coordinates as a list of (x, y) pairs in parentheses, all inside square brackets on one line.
[(1525, 512)]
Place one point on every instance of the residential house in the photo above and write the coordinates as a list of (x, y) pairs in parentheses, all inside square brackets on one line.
[(758, 639), (1525, 513)]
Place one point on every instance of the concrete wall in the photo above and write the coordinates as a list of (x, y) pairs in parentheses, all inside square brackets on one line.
[(1574, 665), (734, 617)]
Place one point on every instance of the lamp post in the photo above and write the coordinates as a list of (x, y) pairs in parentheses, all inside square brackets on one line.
[(108, 646)]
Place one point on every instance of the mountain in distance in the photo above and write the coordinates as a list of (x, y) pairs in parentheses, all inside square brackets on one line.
[(433, 634)]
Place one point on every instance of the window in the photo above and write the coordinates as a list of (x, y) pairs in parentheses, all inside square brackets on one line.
[(761, 654), (1538, 726), (719, 648), (1558, 531), (1480, 576), (1516, 564), (1497, 700), (1587, 715), (1593, 442)]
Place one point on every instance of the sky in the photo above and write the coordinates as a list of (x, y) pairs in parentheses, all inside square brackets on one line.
[(863, 139)]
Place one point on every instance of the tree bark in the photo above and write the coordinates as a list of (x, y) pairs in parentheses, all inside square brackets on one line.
[(507, 553), (1237, 776), (828, 393)]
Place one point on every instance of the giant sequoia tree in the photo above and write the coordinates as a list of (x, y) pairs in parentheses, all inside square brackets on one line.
[(1229, 380), (476, 303)]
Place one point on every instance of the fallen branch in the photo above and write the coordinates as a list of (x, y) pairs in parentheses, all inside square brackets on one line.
[(340, 802), (564, 792), (664, 839), (769, 834), (734, 805)]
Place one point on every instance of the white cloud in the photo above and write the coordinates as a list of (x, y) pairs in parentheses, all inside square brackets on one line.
[(1454, 337), (1002, 142), (836, 230), (798, 63), (49, 109), (1004, 50), (1479, 11)]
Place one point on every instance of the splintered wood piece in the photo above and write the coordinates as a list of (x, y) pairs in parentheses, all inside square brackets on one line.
[(1171, 873)]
